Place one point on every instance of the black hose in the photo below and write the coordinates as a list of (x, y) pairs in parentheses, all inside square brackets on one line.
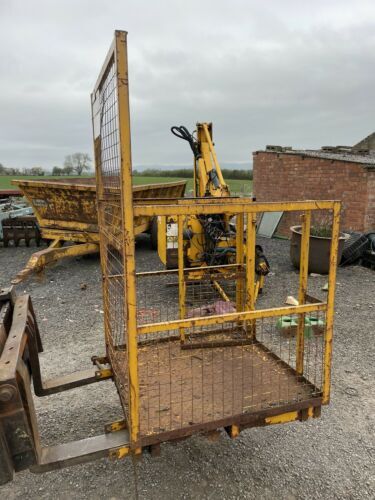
[(183, 133)]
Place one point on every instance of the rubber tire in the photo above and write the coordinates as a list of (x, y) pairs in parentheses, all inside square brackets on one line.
[(154, 234)]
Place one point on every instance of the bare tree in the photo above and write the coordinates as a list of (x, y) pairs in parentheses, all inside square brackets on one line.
[(78, 162), (68, 170), (36, 171), (56, 171)]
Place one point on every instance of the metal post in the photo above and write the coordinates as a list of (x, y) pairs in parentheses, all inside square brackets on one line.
[(181, 276), (239, 260), (213, 153), (130, 297), (250, 268), (331, 302), (195, 180), (303, 278)]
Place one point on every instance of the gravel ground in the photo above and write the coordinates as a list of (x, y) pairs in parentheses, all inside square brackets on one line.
[(331, 457)]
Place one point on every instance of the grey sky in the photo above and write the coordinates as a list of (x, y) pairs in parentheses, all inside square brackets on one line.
[(297, 73)]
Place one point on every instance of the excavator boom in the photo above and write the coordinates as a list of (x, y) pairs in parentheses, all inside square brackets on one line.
[(208, 178)]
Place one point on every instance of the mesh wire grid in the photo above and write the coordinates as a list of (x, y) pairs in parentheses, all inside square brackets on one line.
[(106, 114), (218, 372)]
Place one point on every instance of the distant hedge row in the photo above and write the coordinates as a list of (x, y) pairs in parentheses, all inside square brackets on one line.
[(188, 173)]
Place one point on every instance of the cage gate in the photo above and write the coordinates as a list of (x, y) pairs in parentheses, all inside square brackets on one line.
[(194, 355)]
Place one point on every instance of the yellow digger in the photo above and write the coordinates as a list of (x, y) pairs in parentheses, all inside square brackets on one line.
[(208, 240)]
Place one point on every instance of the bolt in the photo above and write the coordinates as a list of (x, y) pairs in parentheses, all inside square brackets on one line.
[(7, 392)]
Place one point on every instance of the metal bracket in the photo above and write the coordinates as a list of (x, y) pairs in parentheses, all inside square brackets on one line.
[(20, 446), (116, 426), (113, 445), (104, 371), (39, 260)]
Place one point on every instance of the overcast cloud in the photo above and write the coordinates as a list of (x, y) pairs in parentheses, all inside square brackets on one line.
[(296, 73)]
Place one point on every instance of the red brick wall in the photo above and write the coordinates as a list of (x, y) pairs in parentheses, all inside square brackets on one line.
[(370, 213), (289, 177)]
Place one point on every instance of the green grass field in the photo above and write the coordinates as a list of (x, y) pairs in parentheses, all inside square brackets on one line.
[(236, 186)]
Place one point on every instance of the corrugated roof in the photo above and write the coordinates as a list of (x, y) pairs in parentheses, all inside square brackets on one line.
[(366, 159)]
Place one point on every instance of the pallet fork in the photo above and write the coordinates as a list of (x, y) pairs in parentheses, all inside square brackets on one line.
[(20, 446)]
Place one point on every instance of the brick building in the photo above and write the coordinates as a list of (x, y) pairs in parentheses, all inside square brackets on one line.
[(340, 173)]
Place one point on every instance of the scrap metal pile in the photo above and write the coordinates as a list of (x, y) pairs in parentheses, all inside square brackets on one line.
[(17, 223)]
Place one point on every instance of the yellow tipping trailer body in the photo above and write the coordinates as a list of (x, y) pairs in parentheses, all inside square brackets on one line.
[(66, 211)]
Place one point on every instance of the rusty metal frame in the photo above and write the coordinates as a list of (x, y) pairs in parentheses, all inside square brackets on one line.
[(55, 251), (82, 236), (20, 446), (179, 209), (117, 58)]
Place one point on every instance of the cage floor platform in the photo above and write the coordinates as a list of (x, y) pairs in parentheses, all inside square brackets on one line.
[(183, 387)]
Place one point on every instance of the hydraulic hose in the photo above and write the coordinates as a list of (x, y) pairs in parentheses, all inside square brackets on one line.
[(183, 133)]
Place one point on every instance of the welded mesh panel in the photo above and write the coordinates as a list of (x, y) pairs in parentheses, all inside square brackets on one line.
[(180, 388), (115, 288), (219, 371), (108, 160), (213, 371), (279, 337), (109, 130), (157, 297)]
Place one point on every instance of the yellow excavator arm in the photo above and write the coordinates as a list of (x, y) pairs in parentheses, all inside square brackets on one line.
[(208, 178), (208, 240)]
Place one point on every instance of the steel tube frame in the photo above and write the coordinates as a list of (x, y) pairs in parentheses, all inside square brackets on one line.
[(219, 319), (121, 62), (250, 314), (250, 269), (245, 261), (303, 277), (331, 302), (235, 205), (117, 55), (181, 273), (20, 342), (243, 208), (239, 259)]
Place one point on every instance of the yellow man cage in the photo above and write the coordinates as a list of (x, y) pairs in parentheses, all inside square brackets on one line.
[(187, 348), (189, 355)]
